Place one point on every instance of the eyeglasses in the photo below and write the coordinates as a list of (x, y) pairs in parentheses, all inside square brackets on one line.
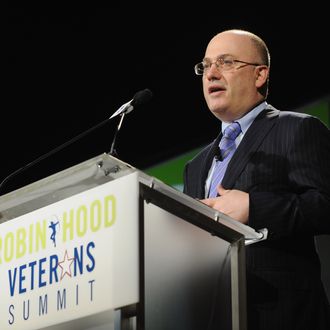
[(223, 63)]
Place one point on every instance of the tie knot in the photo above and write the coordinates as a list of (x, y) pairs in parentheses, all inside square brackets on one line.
[(231, 132)]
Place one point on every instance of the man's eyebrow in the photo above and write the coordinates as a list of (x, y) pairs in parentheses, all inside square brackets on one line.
[(219, 56)]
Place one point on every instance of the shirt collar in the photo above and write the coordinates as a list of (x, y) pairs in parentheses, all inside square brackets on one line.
[(246, 121)]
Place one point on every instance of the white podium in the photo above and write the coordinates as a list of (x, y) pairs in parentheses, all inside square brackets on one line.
[(102, 245)]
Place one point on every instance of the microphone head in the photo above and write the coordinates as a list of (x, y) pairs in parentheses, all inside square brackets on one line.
[(141, 97)]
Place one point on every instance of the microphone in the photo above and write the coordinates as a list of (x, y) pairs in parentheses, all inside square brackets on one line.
[(217, 154), (139, 98)]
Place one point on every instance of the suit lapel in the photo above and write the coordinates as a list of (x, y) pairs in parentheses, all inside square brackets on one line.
[(249, 144)]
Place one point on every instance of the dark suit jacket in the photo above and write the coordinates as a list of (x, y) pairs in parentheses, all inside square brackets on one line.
[(283, 162)]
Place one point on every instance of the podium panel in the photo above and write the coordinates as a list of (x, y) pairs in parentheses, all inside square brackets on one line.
[(187, 275)]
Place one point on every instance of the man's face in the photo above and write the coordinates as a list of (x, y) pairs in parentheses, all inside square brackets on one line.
[(230, 93)]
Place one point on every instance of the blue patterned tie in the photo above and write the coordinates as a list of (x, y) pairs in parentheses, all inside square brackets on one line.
[(227, 148)]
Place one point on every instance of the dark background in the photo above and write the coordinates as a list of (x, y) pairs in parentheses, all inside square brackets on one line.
[(69, 67)]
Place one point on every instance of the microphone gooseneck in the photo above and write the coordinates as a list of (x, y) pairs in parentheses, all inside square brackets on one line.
[(139, 98)]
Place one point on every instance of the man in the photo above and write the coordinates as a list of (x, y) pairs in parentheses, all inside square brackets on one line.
[(278, 177)]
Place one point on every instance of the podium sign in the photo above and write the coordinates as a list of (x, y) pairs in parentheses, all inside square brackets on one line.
[(72, 258), (102, 245)]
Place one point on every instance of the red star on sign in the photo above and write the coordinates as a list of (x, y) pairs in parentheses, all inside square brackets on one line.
[(66, 265)]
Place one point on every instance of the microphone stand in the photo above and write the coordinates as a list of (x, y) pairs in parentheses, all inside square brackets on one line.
[(51, 152), (113, 151)]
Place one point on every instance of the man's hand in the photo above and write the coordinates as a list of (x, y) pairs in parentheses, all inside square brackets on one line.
[(234, 203)]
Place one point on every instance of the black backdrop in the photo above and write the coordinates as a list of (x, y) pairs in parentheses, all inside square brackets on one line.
[(69, 67)]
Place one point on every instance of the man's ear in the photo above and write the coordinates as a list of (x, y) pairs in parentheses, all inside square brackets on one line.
[(262, 72)]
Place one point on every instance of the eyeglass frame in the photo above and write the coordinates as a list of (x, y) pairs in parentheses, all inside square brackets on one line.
[(216, 62)]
